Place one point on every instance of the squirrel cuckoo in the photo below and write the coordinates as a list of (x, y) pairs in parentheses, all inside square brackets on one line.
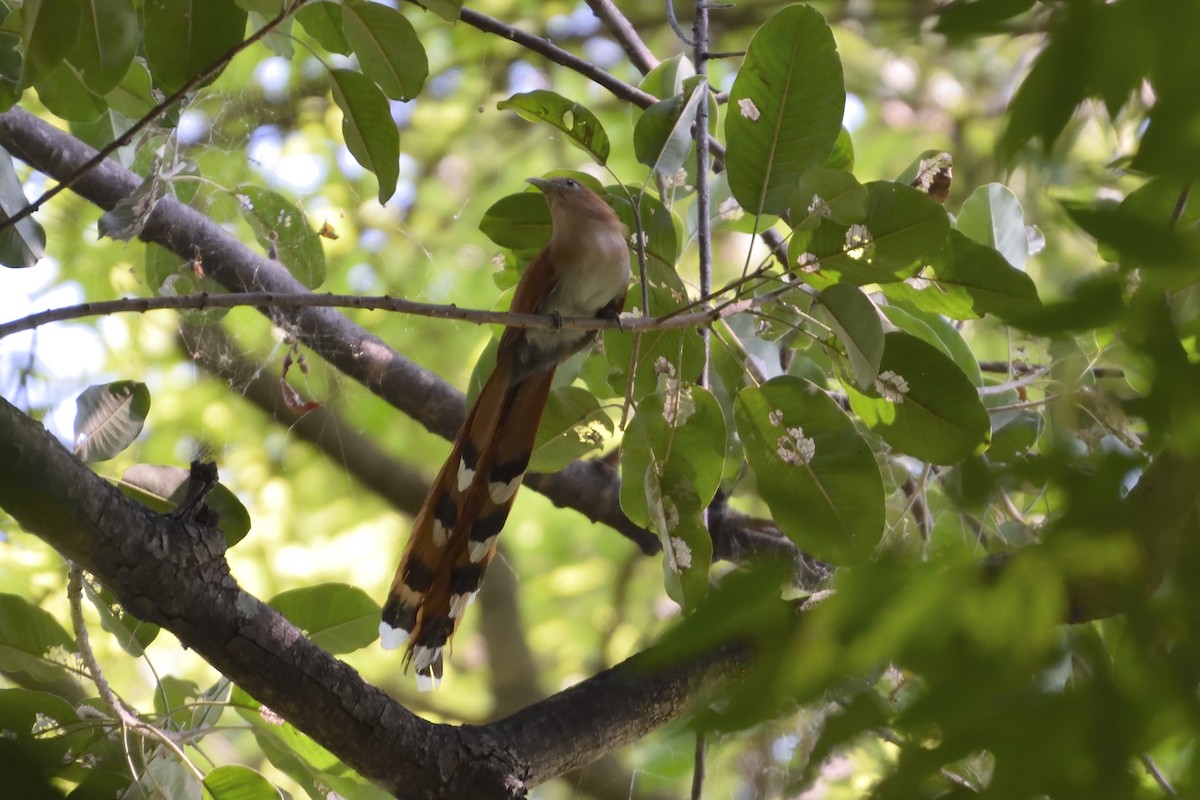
[(582, 271)]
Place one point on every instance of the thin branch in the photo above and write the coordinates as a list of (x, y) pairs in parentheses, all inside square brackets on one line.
[(625, 34), (698, 767), (200, 78)]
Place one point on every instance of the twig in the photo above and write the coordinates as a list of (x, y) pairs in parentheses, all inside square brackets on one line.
[(199, 78), (116, 707), (700, 134), (698, 767), (625, 34), (673, 21), (1162, 782)]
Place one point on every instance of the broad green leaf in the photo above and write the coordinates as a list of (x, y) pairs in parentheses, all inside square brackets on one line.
[(283, 231), (108, 418), (902, 228), (672, 459), (107, 43), (63, 91), (813, 468), (573, 425), (446, 9), (368, 128), (855, 320), (322, 20), (683, 429), (31, 640), (387, 47), (163, 488), (823, 193), (785, 109), (167, 779), (336, 617), (968, 280), (22, 244), (677, 515), (993, 216), (294, 743), (186, 707), (582, 127), (974, 17), (134, 95), (49, 30), (842, 157), (45, 727), (185, 37), (235, 782), (518, 221), (936, 330), (922, 404), (1169, 147), (667, 78), (662, 136), (130, 632), (681, 349), (659, 229)]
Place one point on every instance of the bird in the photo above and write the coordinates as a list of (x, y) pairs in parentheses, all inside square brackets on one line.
[(582, 271)]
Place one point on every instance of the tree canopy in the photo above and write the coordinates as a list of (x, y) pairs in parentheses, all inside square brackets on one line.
[(884, 485)]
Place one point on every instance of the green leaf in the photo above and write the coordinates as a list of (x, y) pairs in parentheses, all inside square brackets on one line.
[(672, 458), (130, 632), (659, 229), (295, 744), (855, 320), (446, 9), (283, 231), (125, 220), (676, 515), (976, 17), (667, 78), (167, 274), (573, 425), (167, 779), (922, 404), (22, 244), (64, 93), (902, 228), (582, 127), (387, 47), (936, 330), (108, 418), (235, 782), (785, 109), (993, 216), (518, 221), (107, 43), (323, 21), (681, 349), (185, 37), (186, 707), (662, 136), (813, 469), (823, 193), (49, 30), (162, 488), (842, 157), (134, 95), (46, 726), (683, 428), (28, 637), (336, 617), (968, 280), (368, 128)]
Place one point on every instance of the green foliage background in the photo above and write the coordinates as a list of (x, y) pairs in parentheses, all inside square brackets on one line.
[(1040, 469)]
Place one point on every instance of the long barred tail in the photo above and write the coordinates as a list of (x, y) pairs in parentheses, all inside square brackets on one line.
[(454, 534)]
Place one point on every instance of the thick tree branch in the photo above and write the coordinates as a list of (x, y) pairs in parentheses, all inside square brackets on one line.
[(359, 354), (174, 573)]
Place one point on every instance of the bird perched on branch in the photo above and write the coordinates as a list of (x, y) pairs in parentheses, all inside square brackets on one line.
[(582, 271)]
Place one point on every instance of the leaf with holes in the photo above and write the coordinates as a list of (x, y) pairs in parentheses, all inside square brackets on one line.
[(582, 127), (785, 109), (922, 404), (108, 418), (31, 640), (573, 425), (813, 468)]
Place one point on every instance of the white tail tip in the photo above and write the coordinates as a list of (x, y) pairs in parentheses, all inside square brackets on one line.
[(392, 638)]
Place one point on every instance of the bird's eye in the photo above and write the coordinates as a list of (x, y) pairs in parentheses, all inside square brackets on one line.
[(571, 183)]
